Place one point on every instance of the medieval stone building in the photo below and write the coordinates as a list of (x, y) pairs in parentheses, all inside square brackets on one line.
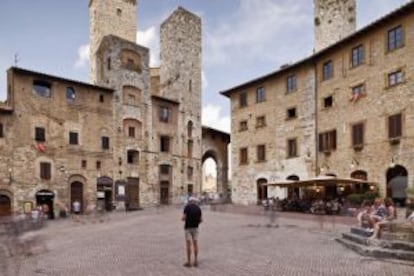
[(132, 138), (345, 111)]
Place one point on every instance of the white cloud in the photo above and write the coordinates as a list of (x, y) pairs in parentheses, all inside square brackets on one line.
[(212, 117), (149, 39), (83, 56), (261, 31)]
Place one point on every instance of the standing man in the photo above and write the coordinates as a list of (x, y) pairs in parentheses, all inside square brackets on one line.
[(192, 217)]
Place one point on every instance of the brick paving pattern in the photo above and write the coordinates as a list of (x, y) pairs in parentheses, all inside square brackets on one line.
[(151, 242)]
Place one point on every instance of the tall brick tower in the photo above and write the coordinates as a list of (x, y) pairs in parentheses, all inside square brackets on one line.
[(334, 20), (115, 17)]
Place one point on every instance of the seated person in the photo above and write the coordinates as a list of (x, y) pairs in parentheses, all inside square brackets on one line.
[(363, 216), (391, 214), (379, 212)]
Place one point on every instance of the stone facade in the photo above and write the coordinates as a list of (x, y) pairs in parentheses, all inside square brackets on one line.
[(334, 20), (173, 91), (87, 112), (139, 133), (329, 98), (110, 17)]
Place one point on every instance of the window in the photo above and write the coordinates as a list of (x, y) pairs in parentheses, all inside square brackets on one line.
[(243, 126), (190, 149), (45, 170), (40, 134), (84, 164), (42, 88), (73, 138), (105, 142), (164, 144), (327, 70), (108, 64), (260, 121), (261, 153), (70, 94), (395, 78), (119, 12), (291, 113), (243, 156), (1, 131), (292, 148), (131, 132), (164, 114), (327, 141), (260, 95), (98, 165), (190, 129), (358, 56), (358, 92), (165, 169), (357, 135), (395, 38), (131, 99), (101, 98), (291, 83), (243, 99), (190, 172), (132, 157), (328, 102), (395, 126)]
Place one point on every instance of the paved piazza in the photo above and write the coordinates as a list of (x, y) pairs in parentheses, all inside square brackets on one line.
[(151, 242)]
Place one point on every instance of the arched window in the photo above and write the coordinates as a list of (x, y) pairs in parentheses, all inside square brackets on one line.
[(42, 88), (131, 60), (131, 95)]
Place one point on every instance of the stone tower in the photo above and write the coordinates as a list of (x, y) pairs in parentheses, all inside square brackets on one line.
[(115, 17), (180, 80), (334, 20)]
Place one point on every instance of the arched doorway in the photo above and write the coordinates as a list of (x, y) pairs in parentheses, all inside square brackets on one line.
[(104, 187), (76, 194), (5, 205), (293, 191), (359, 188), (45, 199), (397, 182), (209, 184), (261, 190)]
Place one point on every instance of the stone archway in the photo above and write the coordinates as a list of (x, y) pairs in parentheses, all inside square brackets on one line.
[(76, 194), (261, 190), (214, 145), (397, 183), (5, 203)]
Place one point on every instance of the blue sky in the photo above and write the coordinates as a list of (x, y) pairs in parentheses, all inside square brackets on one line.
[(242, 39)]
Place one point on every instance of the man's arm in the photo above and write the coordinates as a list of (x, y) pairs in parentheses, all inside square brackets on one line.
[(184, 217)]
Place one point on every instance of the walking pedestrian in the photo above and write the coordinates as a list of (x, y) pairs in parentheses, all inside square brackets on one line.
[(192, 217)]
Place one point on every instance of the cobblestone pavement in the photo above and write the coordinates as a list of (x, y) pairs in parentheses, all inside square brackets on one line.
[(151, 242)]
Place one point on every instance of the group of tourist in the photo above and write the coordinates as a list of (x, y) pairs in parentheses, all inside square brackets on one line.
[(376, 216)]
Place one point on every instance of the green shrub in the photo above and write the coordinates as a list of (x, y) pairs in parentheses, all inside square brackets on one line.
[(355, 199), (370, 195)]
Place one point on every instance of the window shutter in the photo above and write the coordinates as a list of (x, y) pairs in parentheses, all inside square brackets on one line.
[(333, 134), (321, 142)]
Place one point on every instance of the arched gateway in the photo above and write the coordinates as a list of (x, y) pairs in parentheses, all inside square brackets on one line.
[(215, 143)]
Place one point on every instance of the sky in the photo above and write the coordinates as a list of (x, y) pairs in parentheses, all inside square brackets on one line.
[(242, 39)]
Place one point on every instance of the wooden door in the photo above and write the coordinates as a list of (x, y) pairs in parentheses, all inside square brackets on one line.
[(132, 193), (76, 194), (164, 192), (5, 206)]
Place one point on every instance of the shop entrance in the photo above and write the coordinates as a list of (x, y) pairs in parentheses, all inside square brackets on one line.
[(45, 198)]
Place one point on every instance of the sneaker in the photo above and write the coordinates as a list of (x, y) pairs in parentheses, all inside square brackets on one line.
[(195, 264), (187, 264), (371, 230)]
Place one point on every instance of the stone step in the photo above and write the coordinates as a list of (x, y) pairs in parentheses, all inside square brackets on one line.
[(403, 227), (377, 252), (361, 231), (391, 244), (399, 236)]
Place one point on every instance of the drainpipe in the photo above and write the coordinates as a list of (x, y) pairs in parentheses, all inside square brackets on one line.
[(315, 68)]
